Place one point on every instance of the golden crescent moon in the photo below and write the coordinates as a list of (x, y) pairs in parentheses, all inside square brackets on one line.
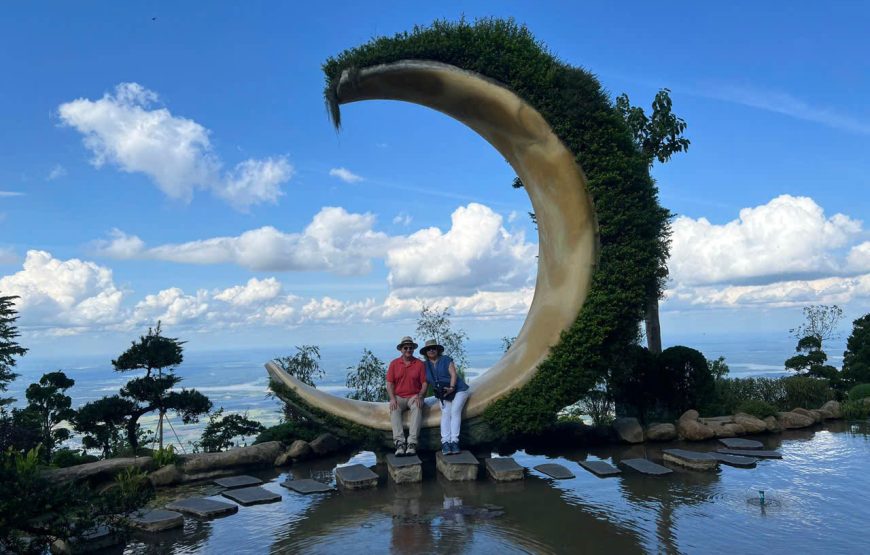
[(567, 227)]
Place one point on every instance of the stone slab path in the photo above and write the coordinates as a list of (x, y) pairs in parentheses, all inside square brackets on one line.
[(405, 470), (504, 469), (156, 520), (355, 476), (461, 467), (242, 481), (306, 486), (696, 460), (600, 468), (757, 453), (556, 471), (399, 462), (645, 466), (252, 496), (735, 460), (740, 443), (202, 507)]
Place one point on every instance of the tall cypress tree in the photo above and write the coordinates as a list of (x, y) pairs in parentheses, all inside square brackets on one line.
[(9, 348)]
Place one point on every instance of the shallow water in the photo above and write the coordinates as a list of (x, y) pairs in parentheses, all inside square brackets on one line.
[(817, 493)]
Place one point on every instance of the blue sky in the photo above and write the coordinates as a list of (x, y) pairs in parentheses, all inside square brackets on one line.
[(175, 162)]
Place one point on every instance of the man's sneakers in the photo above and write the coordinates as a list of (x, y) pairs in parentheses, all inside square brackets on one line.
[(411, 450), (454, 448), (446, 448), (400, 448)]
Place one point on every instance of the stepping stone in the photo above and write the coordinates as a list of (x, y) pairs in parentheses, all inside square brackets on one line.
[(461, 467), (156, 520), (599, 468), (203, 508), (645, 466), (306, 486), (695, 460), (355, 476), (243, 481), (757, 453), (735, 460), (252, 496), (100, 537), (405, 470), (554, 470), (504, 469), (740, 443)]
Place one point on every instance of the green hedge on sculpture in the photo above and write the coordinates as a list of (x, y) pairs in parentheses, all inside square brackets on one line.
[(634, 229)]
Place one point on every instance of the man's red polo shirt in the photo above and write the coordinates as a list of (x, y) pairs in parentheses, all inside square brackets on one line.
[(407, 379)]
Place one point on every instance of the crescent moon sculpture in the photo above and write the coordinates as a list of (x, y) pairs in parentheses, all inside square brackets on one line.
[(568, 233)]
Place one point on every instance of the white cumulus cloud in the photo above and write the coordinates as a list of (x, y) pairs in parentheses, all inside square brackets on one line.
[(63, 293), (788, 236), (476, 253), (125, 129), (335, 241), (345, 175), (254, 291)]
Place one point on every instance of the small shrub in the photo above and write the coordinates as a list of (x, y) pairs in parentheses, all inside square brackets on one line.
[(288, 432), (859, 392), (685, 381), (757, 408), (222, 430), (805, 392), (855, 410), (63, 458), (165, 456)]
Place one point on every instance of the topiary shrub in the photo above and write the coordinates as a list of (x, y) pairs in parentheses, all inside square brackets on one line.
[(684, 380), (758, 409), (288, 432), (633, 227), (805, 392), (859, 392)]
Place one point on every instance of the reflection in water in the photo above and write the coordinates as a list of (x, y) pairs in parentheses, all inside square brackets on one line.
[(821, 479)]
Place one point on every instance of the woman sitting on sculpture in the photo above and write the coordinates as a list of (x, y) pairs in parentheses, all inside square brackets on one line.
[(450, 389)]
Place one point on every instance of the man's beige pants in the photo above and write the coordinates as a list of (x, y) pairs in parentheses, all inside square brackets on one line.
[(414, 421)]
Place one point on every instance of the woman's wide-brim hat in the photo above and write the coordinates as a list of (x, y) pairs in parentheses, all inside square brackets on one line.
[(406, 341), (431, 344)]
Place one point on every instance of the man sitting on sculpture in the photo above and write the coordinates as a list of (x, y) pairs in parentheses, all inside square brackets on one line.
[(406, 387)]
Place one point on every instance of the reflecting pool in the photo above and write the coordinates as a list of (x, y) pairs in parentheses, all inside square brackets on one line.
[(817, 497)]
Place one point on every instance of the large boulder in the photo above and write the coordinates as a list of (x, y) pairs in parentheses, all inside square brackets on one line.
[(750, 424), (298, 450), (691, 429), (791, 420), (816, 416), (261, 454), (98, 471), (661, 431), (165, 476), (772, 424), (628, 430), (723, 426), (324, 444), (832, 408)]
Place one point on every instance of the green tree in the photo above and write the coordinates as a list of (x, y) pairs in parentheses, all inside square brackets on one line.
[(49, 405), (9, 348), (367, 379), (102, 422), (304, 365), (221, 431), (718, 368), (856, 358), (821, 322), (153, 391), (811, 359), (657, 137), (435, 324)]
